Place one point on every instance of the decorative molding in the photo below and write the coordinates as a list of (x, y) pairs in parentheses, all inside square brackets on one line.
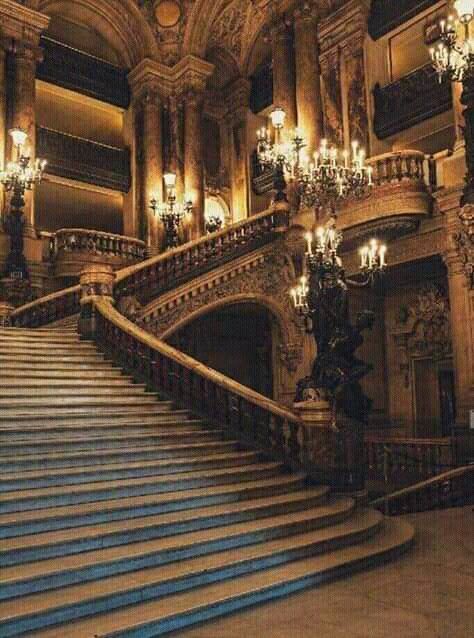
[(414, 98), (83, 160), (20, 23), (72, 69), (464, 241), (227, 29)]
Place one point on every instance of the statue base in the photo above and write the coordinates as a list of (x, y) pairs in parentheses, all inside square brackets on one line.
[(334, 452), (16, 291)]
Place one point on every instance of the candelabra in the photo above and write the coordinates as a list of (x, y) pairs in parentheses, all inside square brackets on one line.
[(453, 59), (322, 296), (332, 176), (18, 177), (276, 154), (171, 213)]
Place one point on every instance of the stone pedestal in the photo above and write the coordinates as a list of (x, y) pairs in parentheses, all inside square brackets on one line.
[(6, 310), (334, 452), (97, 281)]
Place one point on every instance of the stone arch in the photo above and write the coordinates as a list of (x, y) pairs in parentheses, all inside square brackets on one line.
[(119, 23), (269, 303)]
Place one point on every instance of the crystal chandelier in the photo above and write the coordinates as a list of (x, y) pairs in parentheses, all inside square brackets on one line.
[(454, 56), (332, 176), (171, 213), (18, 177)]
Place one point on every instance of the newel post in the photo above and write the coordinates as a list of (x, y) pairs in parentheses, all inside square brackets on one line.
[(334, 451), (97, 281), (6, 310)]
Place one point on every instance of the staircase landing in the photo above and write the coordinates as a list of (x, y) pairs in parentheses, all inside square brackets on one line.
[(121, 515)]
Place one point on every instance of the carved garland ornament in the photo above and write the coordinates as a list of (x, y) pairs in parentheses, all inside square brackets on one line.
[(464, 241)]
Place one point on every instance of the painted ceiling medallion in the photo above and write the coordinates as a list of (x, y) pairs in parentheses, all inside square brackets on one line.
[(167, 13)]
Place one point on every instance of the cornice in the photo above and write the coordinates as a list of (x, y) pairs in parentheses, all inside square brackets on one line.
[(21, 23), (344, 28)]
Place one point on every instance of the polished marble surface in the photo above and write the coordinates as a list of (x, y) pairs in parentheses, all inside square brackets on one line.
[(428, 593)]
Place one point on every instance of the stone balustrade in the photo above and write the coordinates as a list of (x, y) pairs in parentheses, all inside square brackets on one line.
[(73, 248), (399, 200)]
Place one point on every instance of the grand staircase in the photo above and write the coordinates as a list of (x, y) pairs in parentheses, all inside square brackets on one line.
[(121, 515)]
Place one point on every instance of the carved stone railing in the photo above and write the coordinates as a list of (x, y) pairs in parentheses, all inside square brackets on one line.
[(78, 71), (48, 309), (413, 99), (400, 198), (248, 415), (73, 248), (84, 160), (157, 275), (450, 489), (404, 460)]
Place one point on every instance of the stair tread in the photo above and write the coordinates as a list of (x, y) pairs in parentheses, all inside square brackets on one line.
[(112, 505), (98, 485), (119, 418), (394, 535), (340, 506), (87, 454), (38, 602), (165, 422), (35, 475), (118, 411), (98, 530)]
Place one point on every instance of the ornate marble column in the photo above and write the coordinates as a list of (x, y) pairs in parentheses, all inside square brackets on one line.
[(308, 75), (332, 97), (3, 117), (193, 158), (284, 90), (459, 259), (237, 104)]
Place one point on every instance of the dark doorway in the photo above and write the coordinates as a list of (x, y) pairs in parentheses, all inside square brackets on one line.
[(235, 340)]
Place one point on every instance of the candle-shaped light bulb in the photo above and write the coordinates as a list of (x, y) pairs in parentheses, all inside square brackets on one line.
[(383, 252), (309, 243)]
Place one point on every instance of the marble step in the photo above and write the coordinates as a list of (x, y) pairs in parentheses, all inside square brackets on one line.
[(95, 389), (50, 367), (105, 490), (51, 460), (63, 444), (59, 572), (45, 348), (29, 522), (66, 374), (53, 359), (35, 547), (127, 399), (73, 384), (38, 335), (87, 411), (119, 471), (175, 612), (167, 420), (114, 592)]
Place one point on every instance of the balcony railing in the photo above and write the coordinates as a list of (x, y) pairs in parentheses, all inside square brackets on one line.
[(72, 248), (78, 71), (83, 160), (413, 99)]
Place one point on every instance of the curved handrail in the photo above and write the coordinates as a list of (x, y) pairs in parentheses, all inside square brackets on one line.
[(160, 273), (47, 309), (176, 266), (410, 498), (248, 415), (73, 239)]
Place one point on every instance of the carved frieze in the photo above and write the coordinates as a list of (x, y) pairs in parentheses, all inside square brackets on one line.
[(464, 241)]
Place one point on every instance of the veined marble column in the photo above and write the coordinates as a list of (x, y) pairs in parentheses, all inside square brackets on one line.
[(23, 109), (308, 76), (3, 117), (284, 91), (193, 157), (354, 68), (459, 260), (238, 101)]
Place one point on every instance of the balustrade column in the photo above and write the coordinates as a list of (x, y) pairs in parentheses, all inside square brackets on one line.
[(193, 158), (284, 90), (308, 76), (96, 281)]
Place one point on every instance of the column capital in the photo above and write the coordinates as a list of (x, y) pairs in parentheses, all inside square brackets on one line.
[(237, 97), (308, 12), (21, 24)]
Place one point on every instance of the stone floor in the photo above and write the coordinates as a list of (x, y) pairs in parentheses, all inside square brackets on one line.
[(429, 593)]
